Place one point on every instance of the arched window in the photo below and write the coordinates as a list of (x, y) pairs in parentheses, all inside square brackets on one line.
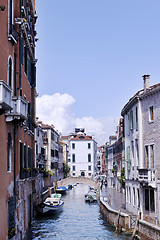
[(9, 152), (10, 71)]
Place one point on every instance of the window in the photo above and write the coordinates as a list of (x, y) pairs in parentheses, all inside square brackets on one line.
[(10, 71), (74, 168), (136, 118), (73, 145), (89, 157), (129, 195), (74, 174), (9, 152), (25, 60), (146, 160), (133, 149), (52, 153), (21, 158), (151, 115), (134, 197), (138, 198), (152, 155), (152, 206), (15, 73), (73, 158), (25, 157), (89, 145), (89, 174), (137, 151), (52, 136), (126, 194), (89, 168), (128, 158), (131, 120), (10, 16), (149, 200), (128, 125)]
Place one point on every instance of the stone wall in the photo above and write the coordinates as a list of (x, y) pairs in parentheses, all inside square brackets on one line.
[(148, 231), (112, 216)]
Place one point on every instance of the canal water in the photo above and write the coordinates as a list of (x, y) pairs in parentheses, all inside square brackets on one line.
[(77, 221)]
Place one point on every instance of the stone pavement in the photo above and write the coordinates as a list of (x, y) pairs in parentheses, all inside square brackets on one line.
[(114, 198)]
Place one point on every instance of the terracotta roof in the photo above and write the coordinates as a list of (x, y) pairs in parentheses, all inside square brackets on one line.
[(82, 137), (64, 137)]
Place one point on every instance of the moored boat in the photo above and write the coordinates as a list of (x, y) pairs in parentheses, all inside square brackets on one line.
[(61, 190), (90, 197), (52, 205)]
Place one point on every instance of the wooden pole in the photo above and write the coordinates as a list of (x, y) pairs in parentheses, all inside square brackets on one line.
[(135, 228), (117, 225)]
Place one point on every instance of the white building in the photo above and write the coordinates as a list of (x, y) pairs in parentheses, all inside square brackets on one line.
[(83, 154), (142, 152)]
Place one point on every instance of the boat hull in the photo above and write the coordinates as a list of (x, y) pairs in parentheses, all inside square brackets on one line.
[(45, 209)]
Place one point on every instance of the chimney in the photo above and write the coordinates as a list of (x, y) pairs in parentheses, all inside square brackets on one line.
[(146, 82)]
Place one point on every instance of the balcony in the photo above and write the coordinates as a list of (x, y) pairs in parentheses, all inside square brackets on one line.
[(147, 176), (19, 111), (5, 97)]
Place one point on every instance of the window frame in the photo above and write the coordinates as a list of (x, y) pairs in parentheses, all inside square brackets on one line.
[(9, 152), (73, 145), (73, 158), (151, 114), (10, 72), (89, 157)]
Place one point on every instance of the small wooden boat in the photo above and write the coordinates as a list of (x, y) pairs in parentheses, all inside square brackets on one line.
[(52, 205), (90, 197), (61, 190)]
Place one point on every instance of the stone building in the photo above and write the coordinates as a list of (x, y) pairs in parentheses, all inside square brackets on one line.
[(101, 154), (142, 151), (17, 115), (51, 149)]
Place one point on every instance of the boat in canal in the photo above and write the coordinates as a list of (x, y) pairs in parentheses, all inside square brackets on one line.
[(90, 197), (61, 190), (52, 205)]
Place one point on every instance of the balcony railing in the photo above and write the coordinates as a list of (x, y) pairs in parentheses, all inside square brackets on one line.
[(146, 176), (19, 111), (5, 97)]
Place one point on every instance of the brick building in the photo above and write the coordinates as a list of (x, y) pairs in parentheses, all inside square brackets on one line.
[(17, 115)]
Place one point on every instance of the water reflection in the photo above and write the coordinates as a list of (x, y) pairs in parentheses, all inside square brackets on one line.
[(78, 220)]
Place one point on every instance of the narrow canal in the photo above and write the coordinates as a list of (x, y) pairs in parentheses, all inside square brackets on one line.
[(78, 220)]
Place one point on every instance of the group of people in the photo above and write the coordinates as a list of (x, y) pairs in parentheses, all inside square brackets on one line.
[(104, 182)]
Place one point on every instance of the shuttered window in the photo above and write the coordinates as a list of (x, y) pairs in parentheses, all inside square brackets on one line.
[(128, 158), (15, 74), (10, 71), (10, 18), (9, 152), (21, 159)]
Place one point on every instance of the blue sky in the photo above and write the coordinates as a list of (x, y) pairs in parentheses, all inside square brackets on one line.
[(95, 53)]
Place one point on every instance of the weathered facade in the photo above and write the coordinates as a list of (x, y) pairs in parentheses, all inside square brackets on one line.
[(142, 151), (17, 115), (51, 149)]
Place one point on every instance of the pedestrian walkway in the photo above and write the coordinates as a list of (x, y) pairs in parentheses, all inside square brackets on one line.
[(114, 198)]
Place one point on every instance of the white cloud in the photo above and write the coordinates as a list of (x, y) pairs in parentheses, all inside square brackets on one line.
[(57, 109)]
